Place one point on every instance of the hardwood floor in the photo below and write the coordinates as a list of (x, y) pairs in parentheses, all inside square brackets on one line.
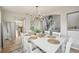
[(72, 50), (11, 45), (0, 50)]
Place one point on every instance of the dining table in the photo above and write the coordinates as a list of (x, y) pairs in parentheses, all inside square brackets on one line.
[(45, 46)]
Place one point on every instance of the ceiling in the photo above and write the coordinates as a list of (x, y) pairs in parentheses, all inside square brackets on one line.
[(42, 9)]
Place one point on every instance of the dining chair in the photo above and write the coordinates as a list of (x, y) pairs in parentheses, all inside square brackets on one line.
[(68, 45), (28, 47), (75, 47), (47, 33), (57, 34), (24, 45)]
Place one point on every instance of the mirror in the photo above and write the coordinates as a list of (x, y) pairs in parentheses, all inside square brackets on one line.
[(73, 21), (73, 27)]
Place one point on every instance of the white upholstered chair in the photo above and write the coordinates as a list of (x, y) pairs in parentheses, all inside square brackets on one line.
[(68, 45), (57, 34), (27, 47)]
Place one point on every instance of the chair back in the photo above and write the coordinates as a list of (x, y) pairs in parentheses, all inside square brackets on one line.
[(68, 45), (27, 47), (57, 34)]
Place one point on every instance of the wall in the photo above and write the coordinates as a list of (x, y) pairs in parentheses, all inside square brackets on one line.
[(27, 23), (64, 24), (12, 16)]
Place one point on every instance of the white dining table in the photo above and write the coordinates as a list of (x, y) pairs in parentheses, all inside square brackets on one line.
[(45, 46)]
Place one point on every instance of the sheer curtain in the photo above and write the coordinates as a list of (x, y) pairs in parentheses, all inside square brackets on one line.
[(0, 35), (13, 30), (9, 30)]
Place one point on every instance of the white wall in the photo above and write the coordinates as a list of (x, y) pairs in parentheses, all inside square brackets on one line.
[(63, 24), (27, 23), (12, 16)]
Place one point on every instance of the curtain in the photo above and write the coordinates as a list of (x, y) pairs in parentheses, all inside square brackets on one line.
[(0, 35), (9, 30)]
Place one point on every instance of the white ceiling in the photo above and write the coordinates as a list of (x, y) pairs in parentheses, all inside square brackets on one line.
[(42, 9)]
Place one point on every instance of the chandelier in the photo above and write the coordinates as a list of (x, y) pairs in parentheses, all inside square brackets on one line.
[(37, 16)]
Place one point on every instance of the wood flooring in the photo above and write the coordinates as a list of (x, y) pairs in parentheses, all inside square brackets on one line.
[(11, 45)]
